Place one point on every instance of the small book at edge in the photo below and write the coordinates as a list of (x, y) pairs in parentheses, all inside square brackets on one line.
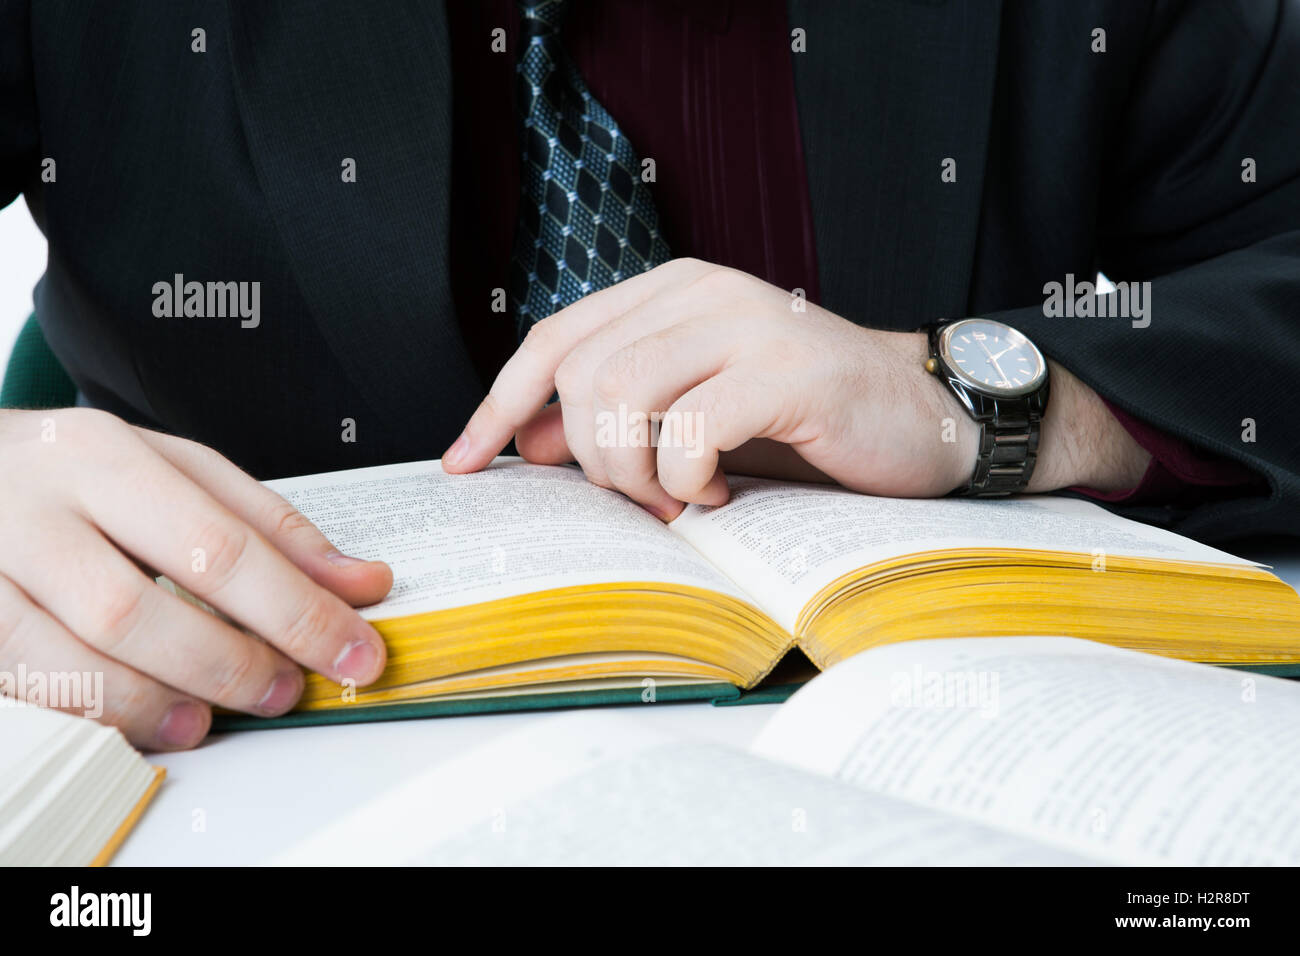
[(72, 788)]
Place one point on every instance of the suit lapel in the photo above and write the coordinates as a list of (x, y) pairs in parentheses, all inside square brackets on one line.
[(887, 90), (320, 81)]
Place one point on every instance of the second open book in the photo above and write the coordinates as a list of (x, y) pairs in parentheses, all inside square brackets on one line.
[(986, 751), (527, 582)]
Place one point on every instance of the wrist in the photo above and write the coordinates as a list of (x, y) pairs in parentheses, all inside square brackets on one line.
[(965, 447), (911, 437), (959, 434), (1082, 444)]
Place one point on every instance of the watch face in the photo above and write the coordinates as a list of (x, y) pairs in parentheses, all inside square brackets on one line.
[(991, 357)]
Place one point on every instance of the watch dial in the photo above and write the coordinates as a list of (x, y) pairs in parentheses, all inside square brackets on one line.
[(994, 356)]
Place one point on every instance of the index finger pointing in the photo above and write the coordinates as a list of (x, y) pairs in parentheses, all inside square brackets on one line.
[(178, 529), (528, 379), (357, 582)]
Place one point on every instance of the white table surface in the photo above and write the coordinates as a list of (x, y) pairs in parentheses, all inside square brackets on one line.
[(259, 792)]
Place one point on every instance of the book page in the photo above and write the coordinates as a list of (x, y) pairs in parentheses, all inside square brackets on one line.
[(514, 528), (29, 734), (1122, 756), (784, 541), (602, 789), (66, 785)]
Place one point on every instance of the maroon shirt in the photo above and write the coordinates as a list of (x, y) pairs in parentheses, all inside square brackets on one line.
[(682, 79)]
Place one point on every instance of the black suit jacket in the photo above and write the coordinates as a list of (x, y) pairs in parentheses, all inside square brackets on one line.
[(226, 166)]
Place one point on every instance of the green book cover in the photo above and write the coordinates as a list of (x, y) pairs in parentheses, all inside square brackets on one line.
[(719, 694)]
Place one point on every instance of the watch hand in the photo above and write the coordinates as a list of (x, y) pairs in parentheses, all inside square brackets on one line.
[(993, 360)]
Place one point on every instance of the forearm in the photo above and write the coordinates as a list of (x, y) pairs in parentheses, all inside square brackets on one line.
[(1082, 444)]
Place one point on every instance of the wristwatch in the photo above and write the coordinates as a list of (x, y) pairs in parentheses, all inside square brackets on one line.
[(1000, 378)]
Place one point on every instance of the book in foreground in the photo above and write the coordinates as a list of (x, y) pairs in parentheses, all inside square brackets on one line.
[(526, 586), (1049, 751), (72, 789)]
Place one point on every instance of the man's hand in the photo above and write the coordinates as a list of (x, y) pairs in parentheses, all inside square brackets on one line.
[(733, 365), (93, 508)]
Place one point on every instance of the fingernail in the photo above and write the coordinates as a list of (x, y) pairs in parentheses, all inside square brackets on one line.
[(663, 514), (357, 660), (183, 726), (457, 450), (343, 560), (282, 693)]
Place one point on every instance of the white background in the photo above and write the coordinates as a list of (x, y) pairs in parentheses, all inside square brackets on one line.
[(22, 260)]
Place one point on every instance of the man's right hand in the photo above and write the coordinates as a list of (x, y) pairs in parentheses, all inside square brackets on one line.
[(91, 509)]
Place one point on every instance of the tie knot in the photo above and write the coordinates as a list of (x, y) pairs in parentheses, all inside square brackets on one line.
[(542, 17)]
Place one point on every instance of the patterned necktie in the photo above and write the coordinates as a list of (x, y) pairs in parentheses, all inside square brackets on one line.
[(586, 220)]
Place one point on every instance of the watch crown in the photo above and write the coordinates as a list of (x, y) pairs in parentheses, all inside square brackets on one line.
[(931, 366)]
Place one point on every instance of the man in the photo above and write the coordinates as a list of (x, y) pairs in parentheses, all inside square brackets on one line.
[(826, 184)]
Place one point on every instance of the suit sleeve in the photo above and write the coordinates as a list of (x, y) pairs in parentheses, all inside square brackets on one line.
[(19, 135), (1178, 473), (1201, 197)]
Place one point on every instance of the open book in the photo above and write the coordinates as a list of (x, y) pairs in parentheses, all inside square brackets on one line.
[(986, 751), (70, 789), (527, 582)]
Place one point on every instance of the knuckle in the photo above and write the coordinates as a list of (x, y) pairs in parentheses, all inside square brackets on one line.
[(15, 620), (712, 404), (135, 702), (491, 406), (121, 712), (628, 472), (235, 670), (540, 336), (87, 424), (714, 407), (286, 521), (223, 546), (89, 418), (126, 704), (118, 616), (313, 619), (675, 483), (607, 386), (625, 369), (595, 473), (76, 431), (570, 379), (718, 281), (204, 454), (682, 264)]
